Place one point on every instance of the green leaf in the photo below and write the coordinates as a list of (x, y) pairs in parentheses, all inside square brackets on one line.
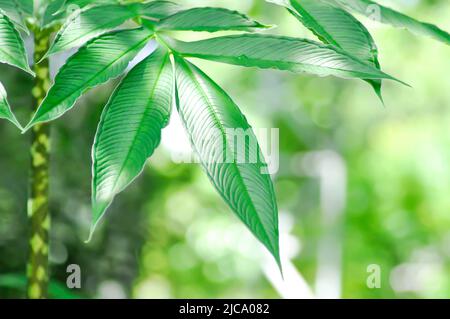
[(335, 26), (130, 129), (89, 23), (52, 12), (58, 10), (5, 109), (14, 12), (80, 4), (97, 62), (283, 53), (158, 9), (12, 48), (210, 20), (27, 6), (212, 121), (386, 15), (92, 21)]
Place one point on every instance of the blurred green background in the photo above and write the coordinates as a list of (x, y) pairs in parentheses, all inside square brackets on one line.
[(359, 184)]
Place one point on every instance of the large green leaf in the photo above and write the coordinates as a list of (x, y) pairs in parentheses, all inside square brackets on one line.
[(213, 121), (283, 53), (12, 48), (58, 10), (210, 20), (5, 109), (335, 26), (384, 14), (86, 24), (89, 23), (130, 128), (103, 58), (13, 9)]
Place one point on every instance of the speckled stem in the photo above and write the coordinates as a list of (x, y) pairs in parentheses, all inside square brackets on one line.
[(38, 201)]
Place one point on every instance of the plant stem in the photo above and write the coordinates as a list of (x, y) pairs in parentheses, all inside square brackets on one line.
[(38, 201)]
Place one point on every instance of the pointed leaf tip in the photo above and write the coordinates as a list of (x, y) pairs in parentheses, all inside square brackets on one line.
[(386, 15), (5, 109)]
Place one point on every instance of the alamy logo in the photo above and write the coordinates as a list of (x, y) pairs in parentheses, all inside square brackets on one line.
[(374, 278), (236, 145), (74, 279), (73, 11), (373, 11)]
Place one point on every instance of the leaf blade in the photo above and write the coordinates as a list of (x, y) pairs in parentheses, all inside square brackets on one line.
[(86, 24), (383, 14), (335, 26), (5, 109), (58, 10), (14, 12), (209, 116), (130, 129), (283, 53), (100, 60), (158, 9), (209, 19), (12, 47)]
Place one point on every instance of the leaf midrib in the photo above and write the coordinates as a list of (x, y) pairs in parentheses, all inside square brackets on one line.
[(381, 75), (13, 58), (147, 109)]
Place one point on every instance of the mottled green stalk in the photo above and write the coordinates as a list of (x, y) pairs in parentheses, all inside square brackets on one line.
[(38, 201)]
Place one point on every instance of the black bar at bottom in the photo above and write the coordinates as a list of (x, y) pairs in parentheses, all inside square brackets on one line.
[(232, 308)]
